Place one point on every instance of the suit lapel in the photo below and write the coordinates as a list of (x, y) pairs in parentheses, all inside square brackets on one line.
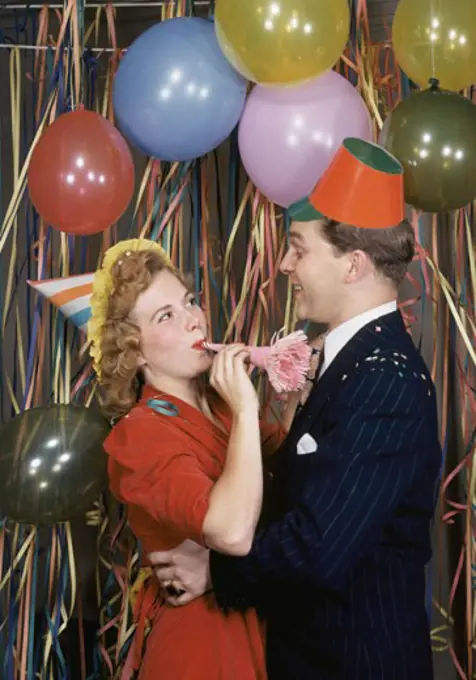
[(377, 334)]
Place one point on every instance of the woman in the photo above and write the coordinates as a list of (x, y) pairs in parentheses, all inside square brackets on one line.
[(186, 459)]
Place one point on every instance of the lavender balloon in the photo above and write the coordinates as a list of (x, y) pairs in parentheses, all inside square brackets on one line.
[(288, 136)]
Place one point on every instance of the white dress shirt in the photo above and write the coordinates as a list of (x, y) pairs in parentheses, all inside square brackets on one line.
[(340, 336)]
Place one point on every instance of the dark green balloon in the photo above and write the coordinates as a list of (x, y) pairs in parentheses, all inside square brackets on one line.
[(52, 464), (433, 134)]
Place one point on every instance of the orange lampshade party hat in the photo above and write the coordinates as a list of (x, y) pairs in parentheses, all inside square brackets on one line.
[(362, 187)]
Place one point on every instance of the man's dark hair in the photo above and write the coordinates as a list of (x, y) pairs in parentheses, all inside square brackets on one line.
[(391, 250)]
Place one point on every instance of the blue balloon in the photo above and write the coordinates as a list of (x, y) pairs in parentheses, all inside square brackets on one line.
[(175, 95)]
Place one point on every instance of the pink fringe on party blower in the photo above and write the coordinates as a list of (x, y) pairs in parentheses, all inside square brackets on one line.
[(286, 361)]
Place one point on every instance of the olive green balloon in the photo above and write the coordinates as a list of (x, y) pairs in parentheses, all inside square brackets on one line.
[(52, 464), (433, 135)]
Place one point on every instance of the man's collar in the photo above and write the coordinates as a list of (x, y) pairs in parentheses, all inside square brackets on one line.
[(340, 336)]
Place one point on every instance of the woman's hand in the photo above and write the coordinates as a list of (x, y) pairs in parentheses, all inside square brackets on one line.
[(230, 379), (235, 500)]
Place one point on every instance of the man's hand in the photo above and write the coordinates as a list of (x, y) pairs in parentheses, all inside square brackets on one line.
[(184, 568)]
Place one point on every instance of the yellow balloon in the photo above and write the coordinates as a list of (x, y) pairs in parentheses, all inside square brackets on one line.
[(282, 42), (437, 39)]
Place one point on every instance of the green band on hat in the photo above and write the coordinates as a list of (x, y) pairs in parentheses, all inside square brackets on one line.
[(373, 156), (303, 211)]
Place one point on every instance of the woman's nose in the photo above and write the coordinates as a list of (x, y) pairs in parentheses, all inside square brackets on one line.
[(191, 321)]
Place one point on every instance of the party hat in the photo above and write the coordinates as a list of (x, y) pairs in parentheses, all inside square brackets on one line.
[(362, 187), (71, 295)]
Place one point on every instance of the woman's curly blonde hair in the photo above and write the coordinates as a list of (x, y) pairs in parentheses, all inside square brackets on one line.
[(127, 272)]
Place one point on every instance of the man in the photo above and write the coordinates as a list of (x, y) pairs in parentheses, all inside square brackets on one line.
[(339, 573)]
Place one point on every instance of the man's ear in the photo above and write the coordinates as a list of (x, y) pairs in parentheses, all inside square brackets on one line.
[(359, 266)]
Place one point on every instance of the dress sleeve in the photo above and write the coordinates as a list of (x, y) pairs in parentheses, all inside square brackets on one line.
[(155, 472)]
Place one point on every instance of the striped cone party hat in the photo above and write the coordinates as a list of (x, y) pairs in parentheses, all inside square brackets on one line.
[(71, 295)]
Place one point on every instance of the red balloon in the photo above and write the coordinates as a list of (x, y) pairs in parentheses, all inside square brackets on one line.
[(81, 175)]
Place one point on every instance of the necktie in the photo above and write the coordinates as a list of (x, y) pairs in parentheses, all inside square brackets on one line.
[(317, 359)]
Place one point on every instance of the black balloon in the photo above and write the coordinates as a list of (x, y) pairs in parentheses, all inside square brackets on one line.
[(433, 135), (52, 464)]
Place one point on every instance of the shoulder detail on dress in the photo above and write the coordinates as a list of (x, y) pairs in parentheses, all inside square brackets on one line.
[(140, 411), (140, 432)]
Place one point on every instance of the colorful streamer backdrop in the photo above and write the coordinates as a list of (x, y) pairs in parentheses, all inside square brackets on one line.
[(215, 225)]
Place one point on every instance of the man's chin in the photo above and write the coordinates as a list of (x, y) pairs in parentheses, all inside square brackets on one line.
[(301, 311)]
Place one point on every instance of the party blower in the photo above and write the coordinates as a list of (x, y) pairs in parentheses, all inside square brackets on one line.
[(286, 361)]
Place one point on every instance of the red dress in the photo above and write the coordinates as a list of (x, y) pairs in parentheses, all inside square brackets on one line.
[(164, 461)]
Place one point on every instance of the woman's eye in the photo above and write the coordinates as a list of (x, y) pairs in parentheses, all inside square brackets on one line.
[(194, 301), (164, 317)]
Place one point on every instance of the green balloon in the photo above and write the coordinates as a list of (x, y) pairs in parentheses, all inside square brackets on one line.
[(52, 464), (433, 135)]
